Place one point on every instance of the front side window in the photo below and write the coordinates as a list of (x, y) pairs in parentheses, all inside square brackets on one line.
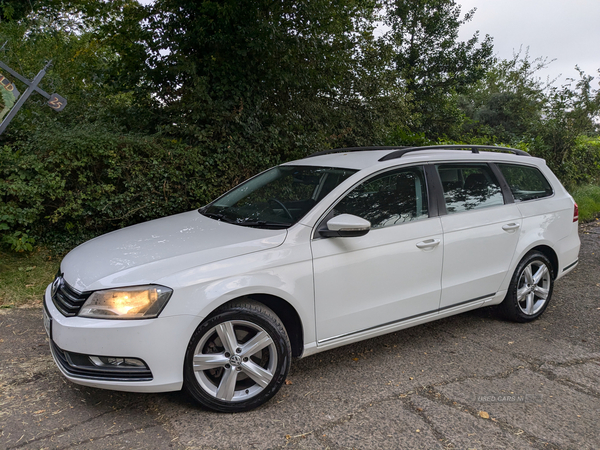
[(388, 199), (277, 198), (469, 186), (526, 183)]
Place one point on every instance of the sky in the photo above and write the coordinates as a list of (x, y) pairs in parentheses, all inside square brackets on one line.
[(566, 31)]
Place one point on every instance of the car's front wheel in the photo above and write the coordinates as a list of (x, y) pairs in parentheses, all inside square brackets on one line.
[(238, 358), (530, 288)]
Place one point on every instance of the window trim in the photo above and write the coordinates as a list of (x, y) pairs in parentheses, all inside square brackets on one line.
[(506, 191), (437, 204)]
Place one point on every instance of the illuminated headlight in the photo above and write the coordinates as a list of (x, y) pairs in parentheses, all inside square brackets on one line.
[(140, 302)]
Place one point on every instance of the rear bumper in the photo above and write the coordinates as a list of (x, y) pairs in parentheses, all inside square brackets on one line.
[(568, 254)]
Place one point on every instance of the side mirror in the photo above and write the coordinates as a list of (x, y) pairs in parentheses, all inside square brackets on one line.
[(346, 225)]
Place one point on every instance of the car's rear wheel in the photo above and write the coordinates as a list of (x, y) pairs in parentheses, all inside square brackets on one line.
[(530, 288), (238, 358)]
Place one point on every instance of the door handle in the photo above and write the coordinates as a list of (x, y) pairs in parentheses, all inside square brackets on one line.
[(510, 227), (428, 244)]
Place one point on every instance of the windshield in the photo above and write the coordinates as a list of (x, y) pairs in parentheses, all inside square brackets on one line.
[(277, 198)]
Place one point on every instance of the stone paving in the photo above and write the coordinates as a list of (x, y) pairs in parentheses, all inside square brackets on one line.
[(471, 381)]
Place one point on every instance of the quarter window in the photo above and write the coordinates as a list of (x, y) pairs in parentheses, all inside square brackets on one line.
[(391, 198), (526, 183), (469, 186)]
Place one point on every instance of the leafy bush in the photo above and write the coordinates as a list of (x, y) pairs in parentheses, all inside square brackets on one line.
[(63, 186), (19, 241), (575, 160)]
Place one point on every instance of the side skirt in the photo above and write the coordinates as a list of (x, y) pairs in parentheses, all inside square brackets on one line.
[(409, 322)]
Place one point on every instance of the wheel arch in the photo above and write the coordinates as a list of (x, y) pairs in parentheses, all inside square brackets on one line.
[(549, 253), (286, 313)]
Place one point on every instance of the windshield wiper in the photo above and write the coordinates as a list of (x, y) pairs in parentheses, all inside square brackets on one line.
[(263, 224), (217, 216), (245, 223)]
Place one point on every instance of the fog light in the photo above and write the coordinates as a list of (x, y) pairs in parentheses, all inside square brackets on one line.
[(104, 361)]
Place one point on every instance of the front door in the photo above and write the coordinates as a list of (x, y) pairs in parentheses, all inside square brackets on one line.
[(391, 273)]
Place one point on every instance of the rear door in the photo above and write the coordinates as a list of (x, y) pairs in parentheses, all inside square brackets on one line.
[(481, 230)]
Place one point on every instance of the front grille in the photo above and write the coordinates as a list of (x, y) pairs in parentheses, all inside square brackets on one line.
[(67, 300), (78, 365)]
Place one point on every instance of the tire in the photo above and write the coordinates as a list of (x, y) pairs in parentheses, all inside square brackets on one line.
[(238, 358), (530, 289)]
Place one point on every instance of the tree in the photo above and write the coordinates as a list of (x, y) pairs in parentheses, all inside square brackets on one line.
[(221, 64), (508, 102), (173, 103), (572, 113), (512, 105), (431, 61), (41, 194), (20, 10), (79, 37)]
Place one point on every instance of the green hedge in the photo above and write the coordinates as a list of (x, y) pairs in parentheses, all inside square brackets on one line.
[(61, 187)]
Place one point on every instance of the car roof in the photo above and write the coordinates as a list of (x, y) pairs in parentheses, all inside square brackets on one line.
[(359, 159), (351, 160)]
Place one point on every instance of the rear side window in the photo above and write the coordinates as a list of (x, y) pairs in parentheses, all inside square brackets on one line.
[(526, 183), (469, 186)]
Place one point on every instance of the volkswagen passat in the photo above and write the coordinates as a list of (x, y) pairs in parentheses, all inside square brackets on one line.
[(335, 248)]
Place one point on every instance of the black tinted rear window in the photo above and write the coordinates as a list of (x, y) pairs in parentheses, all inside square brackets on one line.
[(526, 183), (469, 186)]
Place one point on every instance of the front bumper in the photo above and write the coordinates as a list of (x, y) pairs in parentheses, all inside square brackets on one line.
[(161, 343)]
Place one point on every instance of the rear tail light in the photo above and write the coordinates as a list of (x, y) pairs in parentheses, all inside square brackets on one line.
[(575, 213)]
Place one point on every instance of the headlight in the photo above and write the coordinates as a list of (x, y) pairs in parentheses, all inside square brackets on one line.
[(140, 302)]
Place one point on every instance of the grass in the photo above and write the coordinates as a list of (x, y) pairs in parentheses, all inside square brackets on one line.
[(588, 199), (24, 277)]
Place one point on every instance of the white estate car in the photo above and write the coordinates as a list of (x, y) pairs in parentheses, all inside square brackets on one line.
[(331, 249)]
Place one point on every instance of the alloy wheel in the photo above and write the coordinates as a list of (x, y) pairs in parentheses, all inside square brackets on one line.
[(235, 360)]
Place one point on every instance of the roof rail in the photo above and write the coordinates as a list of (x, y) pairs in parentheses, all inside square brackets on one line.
[(473, 148), (356, 149)]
